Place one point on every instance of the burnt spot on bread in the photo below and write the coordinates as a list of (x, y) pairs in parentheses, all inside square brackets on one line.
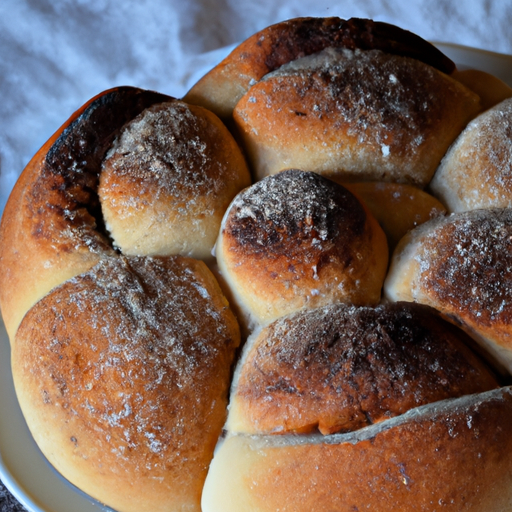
[(341, 368), (68, 181), (303, 36), (298, 214)]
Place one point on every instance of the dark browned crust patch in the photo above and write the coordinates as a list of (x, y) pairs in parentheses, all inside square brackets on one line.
[(304, 36), (295, 214), (68, 180), (341, 368), (466, 266)]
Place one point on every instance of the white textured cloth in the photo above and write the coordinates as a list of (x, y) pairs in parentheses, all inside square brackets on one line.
[(55, 55)]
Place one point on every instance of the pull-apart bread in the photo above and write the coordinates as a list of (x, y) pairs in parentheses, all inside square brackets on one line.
[(398, 393), (122, 361), (179, 276)]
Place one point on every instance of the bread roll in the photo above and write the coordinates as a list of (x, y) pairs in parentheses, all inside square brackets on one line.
[(418, 410), (221, 88), (122, 374), (397, 207), (121, 366), (360, 115), (51, 227), (477, 170), (445, 456), (296, 240), (462, 266), (168, 180), (341, 368)]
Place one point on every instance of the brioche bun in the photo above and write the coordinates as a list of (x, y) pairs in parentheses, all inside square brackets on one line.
[(168, 179)]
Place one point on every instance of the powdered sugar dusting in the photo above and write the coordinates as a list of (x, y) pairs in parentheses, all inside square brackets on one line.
[(342, 368), (166, 148), (397, 97), (477, 171), (149, 368), (294, 205), (466, 265)]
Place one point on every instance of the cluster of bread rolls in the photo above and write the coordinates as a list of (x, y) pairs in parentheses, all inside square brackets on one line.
[(289, 290)]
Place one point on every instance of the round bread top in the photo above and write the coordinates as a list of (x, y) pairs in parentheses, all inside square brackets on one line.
[(295, 214), (168, 179), (364, 115), (448, 456), (297, 239), (122, 374), (462, 266), (477, 170), (340, 368), (221, 88), (466, 266)]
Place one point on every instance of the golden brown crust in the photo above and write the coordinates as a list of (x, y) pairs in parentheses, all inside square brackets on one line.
[(122, 374), (341, 368), (265, 51), (298, 240), (168, 180), (462, 266), (122, 364), (50, 224), (397, 207), (491, 89), (447, 457), (361, 115), (477, 170)]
